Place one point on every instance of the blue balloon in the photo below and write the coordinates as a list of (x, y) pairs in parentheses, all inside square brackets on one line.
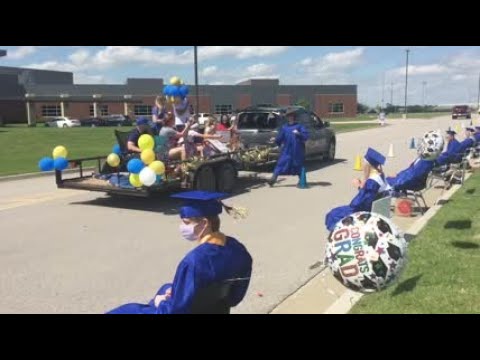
[(135, 166), (116, 149), (167, 90), (176, 91), (184, 91), (46, 164), (60, 163)]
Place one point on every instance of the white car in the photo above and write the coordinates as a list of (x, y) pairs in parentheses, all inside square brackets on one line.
[(63, 122)]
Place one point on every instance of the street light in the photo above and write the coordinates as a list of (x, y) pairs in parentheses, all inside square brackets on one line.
[(424, 83), (406, 82), (196, 79)]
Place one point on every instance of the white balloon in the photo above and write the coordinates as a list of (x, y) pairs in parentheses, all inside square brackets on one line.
[(148, 176)]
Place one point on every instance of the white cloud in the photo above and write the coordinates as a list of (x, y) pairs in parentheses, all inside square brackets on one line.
[(239, 52), (79, 57), (209, 71), (332, 67), (81, 78), (259, 70), (414, 70), (21, 52)]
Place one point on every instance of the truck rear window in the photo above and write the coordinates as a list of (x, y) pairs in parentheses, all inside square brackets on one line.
[(259, 121)]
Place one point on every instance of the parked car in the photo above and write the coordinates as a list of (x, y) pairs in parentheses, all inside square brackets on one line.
[(117, 120), (461, 111), (92, 122), (63, 122), (258, 125)]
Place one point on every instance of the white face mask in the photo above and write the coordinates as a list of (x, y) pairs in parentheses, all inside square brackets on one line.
[(188, 231)]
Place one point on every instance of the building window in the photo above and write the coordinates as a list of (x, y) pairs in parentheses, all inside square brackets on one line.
[(102, 110), (142, 110), (335, 108), (223, 109), (51, 110)]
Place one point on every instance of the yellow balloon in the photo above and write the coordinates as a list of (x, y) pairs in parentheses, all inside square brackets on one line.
[(158, 167), (60, 151), (146, 142), (135, 180), (175, 81), (113, 160), (148, 156)]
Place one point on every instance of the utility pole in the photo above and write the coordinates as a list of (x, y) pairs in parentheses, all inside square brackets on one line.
[(406, 83), (196, 80), (424, 83)]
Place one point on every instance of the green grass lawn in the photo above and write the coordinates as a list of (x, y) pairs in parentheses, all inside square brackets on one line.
[(23, 147), (443, 271), (418, 115), (360, 117), (340, 128)]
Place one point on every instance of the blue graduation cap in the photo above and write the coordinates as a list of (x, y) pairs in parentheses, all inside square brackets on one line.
[(374, 157), (142, 121), (477, 128), (200, 203), (451, 132), (471, 129)]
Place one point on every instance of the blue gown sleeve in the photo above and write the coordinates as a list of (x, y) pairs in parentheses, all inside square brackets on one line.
[(365, 197), (280, 137), (303, 135), (183, 291), (239, 288)]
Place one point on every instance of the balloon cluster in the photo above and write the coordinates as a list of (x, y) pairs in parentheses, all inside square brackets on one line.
[(58, 161), (176, 89), (146, 171)]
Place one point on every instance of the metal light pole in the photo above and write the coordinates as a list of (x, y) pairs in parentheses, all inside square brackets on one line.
[(391, 93), (196, 80), (424, 83), (406, 82), (478, 98), (383, 92)]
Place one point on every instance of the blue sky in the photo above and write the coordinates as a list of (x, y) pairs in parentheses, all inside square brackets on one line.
[(451, 73)]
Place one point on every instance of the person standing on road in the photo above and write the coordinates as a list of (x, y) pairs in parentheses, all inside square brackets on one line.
[(381, 118), (291, 139)]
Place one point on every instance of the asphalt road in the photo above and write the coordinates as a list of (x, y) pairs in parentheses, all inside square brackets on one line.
[(64, 251)]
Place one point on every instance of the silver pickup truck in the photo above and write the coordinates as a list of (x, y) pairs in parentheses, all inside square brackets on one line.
[(258, 125)]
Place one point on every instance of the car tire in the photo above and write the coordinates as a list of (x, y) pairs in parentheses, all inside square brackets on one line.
[(332, 147), (226, 175), (454, 118), (65, 126), (205, 179)]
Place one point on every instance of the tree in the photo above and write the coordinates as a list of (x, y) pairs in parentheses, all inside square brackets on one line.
[(362, 108), (304, 103)]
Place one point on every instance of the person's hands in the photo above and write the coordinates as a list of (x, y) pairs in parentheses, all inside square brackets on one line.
[(357, 183), (160, 298)]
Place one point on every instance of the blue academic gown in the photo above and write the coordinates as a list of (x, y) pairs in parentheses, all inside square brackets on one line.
[(465, 145), (292, 156), (414, 177), (361, 202), (205, 265), (449, 155), (477, 137)]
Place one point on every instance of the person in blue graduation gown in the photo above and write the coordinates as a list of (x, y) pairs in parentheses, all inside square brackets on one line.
[(414, 177), (450, 155), (477, 134), (291, 138), (374, 185), (216, 259), (469, 141)]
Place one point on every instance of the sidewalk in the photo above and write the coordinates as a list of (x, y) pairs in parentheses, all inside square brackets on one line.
[(326, 295)]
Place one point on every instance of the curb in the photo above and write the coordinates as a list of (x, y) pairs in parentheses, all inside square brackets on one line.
[(39, 174)]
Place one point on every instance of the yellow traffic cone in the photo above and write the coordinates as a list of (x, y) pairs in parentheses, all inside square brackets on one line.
[(358, 163), (390, 151), (458, 129)]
